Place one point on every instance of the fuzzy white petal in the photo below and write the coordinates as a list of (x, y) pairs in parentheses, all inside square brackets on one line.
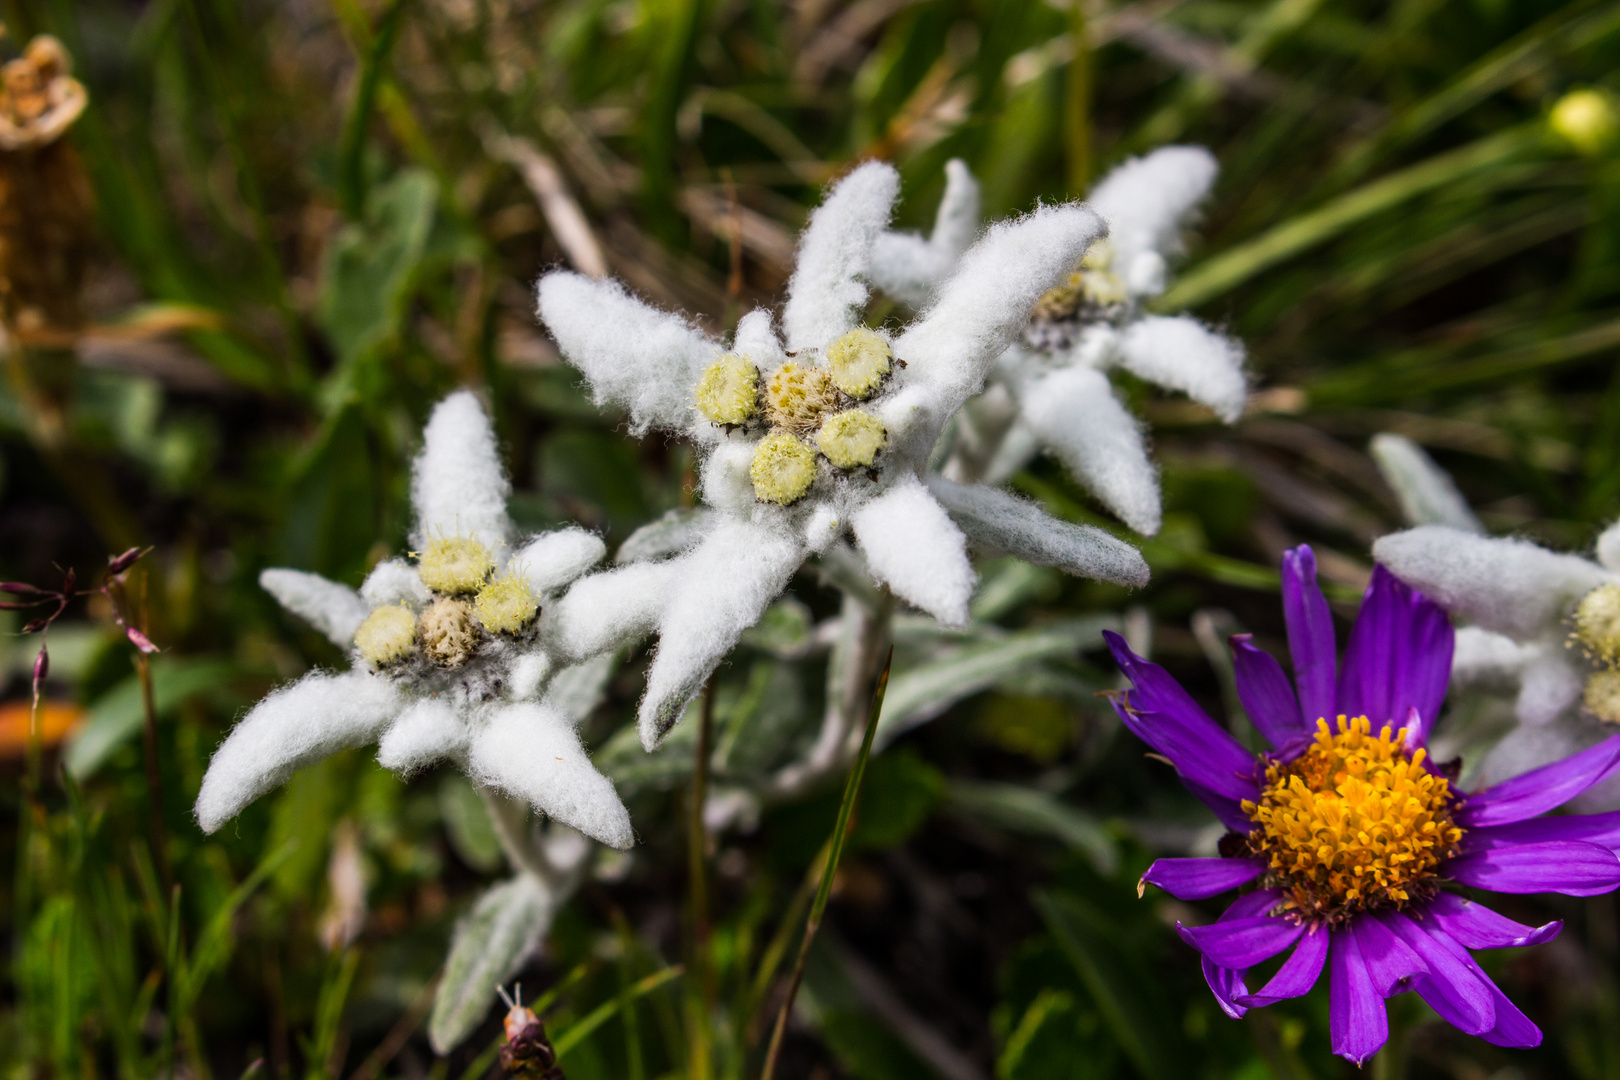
[(551, 560), (727, 483), (1426, 492), (1181, 353), (393, 581), (671, 534), (633, 355), (1482, 656), (427, 730), (335, 610), (1146, 200), (458, 487), (1075, 413), (1549, 685), (578, 690), (756, 339), (720, 588), (912, 547), (527, 674), (531, 752), (985, 304), (826, 294), (1608, 547), (906, 266), (999, 521), (1503, 584), (607, 610), (294, 726)]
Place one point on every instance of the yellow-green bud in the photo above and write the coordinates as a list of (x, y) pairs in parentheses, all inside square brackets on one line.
[(728, 390), (796, 396), (455, 565), (783, 468), (387, 636), (1587, 120), (1602, 697), (851, 439), (1597, 623), (449, 636), (859, 360), (506, 605), (1099, 256)]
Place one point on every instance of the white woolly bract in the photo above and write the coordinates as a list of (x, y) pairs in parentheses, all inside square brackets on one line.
[(1018, 448), (458, 487), (393, 581), (532, 753), (1608, 547), (985, 304), (1548, 686), (756, 339), (1427, 494), (295, 726), (607, 610), (907, 266), (826, 294), (912, 547), (1146, 200), (427, 730), (1503, 584), (1481, 655), (1001, 522), (1181, 353), (527, 673), (676, 531), (1075, 413), (725, 475), (633, 355), (551, 560), (335, 610), (719, 589)]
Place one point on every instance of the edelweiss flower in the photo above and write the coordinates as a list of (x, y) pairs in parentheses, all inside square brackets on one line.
[(1354, 837), (823, 435), (447, 657), (1050, 388)]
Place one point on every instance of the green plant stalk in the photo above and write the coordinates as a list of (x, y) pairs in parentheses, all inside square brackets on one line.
[(1077, 114), (579, 1031), (351, 161), (149, 734), (700, 990), (840, 836)]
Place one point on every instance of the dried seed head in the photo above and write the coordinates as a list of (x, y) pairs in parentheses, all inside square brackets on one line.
[(783, 469), (455, 565), (387, 636), (449, 635), (728, 392), (507, 605), (858, 361), (851, 439), (796, 396)]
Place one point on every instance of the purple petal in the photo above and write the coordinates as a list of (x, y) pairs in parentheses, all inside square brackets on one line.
[(1310, 634), (1298, 973), (1601, 829), (1242, 943), (1251, 904), (1392, 964), (1571, 867), (1539, 790), (1476, 926), (1357, 1023), (1399, 656), (1163, 715), (1455, 987), (1226, 984), (1199, 879), (1265, 693)]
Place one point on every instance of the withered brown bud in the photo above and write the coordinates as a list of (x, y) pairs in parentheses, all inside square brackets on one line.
[(528, 1054)]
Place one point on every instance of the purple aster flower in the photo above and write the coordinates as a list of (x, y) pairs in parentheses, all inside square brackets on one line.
[(1359, 849)]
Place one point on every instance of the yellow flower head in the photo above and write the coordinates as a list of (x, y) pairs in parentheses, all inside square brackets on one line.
[(1587, 120), (796, 396), (1597, 624), (859, 360), (1602, 697), (455, 565), (506, 605), (449, 636), (387, 636), (728, 391), (783, 469), (851, 439)]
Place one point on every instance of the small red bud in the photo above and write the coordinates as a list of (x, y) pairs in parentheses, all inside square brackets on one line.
[(68, 581), (140, 640), (21, 588), (42, 666), (34, 626)]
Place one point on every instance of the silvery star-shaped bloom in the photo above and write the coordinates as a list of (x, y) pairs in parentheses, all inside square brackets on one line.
[(447, 656), (818, 434), (1050, 387)]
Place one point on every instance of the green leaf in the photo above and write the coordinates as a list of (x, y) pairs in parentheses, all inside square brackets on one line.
[(467, 824), (118, 714), (1020, 808), (491, 943)]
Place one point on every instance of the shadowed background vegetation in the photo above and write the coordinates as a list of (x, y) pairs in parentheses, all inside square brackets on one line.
[(313, 218)]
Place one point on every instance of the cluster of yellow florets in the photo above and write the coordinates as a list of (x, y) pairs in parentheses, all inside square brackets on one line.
[(1356, 823), (466, 608), (807, 408), (1597, 632), (1094, 282)]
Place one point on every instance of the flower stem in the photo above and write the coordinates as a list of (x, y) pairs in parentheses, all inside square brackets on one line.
[(840, 835), (701, 1000), (154, 790)]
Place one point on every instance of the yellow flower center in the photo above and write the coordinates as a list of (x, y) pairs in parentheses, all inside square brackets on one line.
[(387, 636), (1602, 696), (1597, 623), (852, 439), (454, 565), (506, 605), (1353, 824), (449, 635), (859, 360), (796, 396), (783, 469), (728, 391)]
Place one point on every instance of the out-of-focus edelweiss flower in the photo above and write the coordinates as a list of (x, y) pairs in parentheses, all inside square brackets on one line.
[(1049, 388), (447, 654), (823, 435)]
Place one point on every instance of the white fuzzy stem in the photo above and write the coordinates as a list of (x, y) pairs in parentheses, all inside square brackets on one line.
[(511, 820)]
